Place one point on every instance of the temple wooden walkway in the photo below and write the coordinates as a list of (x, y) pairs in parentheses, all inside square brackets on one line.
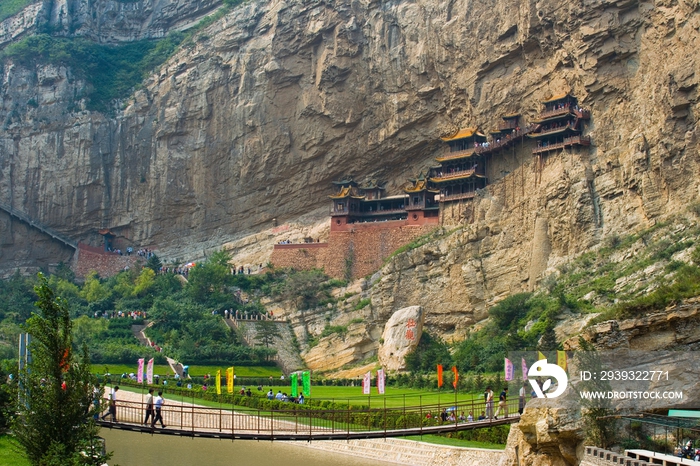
[(299, 423)]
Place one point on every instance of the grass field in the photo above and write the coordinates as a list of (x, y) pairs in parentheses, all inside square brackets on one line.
[(353, 395), (119, 369), (440, 440), (239, 371), (395, 397), (11, 452)]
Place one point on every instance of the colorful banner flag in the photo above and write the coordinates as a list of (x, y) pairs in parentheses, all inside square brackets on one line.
[(524, 366), (456, 380), (541, 356), (294, 379), (366, 382), (509, 370), (306, 383), (149, 372), (218, 382), (561, 359), (229, 380), (381, 381), (139, 374), (439, 373)]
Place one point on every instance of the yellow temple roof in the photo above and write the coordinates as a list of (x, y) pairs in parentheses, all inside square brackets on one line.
[(346, 191), (462, 134), (556, 97)]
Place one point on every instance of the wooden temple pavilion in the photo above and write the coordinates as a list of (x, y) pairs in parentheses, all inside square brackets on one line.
[(355, 203), (422, 206), (462, 168), (560, 125)]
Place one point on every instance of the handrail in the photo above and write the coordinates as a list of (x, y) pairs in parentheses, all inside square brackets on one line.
[(457, 174), (303, 422), (570, 141)]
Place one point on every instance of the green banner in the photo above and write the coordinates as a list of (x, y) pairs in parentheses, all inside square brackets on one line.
[(306, 383), (295, 384)]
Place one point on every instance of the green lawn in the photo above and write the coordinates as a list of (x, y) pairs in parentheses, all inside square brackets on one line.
[(11, 452), (239, 371), (440, 440), (119, 369), (395, 397)]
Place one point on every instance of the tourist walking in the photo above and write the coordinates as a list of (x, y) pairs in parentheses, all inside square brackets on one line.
[(149, 406), (489, 402), (159, 414), (502, 403), (521, 398), (112, 409)]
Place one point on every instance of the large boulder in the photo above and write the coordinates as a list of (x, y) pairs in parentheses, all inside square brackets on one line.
[(401, 334)]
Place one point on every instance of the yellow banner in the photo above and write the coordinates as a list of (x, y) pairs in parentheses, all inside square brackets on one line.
[(229, 380), (218, 382), (561, 359), (540, 356)]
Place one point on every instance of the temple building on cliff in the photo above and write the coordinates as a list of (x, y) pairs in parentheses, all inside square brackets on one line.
[(560, 125), (367, 225), (462, 168)]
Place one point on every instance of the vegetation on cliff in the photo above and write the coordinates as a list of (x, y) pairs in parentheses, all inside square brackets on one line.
[(628, 276), (110, 71), (12, 7)]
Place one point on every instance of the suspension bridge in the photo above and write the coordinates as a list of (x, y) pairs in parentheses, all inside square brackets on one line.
[(303, 423)]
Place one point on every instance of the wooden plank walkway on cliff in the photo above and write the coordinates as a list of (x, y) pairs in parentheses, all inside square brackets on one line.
[(297, 422)]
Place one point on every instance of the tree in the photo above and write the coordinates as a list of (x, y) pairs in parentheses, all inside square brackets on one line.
[(267, 331), (154, 263), (55, 423)]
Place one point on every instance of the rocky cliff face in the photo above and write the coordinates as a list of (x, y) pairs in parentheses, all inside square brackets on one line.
[(277, 99), (110, 21)]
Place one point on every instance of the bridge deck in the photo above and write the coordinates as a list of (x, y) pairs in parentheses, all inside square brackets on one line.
[(295, 423)]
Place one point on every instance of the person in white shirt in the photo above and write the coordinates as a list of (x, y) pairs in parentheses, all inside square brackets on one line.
[(159, 415), (149, 406), (112, 410), (521, 398)]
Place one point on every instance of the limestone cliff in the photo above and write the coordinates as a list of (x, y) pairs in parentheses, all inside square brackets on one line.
[(276, 99)]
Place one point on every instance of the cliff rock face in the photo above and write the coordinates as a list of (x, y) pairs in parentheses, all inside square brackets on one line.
[(106, 21), (277, 99)]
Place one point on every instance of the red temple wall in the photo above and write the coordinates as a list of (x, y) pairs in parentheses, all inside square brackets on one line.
[(89, 258), (355, 253)]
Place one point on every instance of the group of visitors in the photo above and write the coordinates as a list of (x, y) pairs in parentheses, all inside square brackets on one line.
[(120, 314), (285, 398), (154, 406)]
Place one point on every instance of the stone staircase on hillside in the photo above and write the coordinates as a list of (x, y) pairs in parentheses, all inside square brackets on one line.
[(287, 355)]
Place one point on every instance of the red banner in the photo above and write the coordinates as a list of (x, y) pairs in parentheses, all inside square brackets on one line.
[(439, 372), (366, 383), (508, 370), (454, 370)]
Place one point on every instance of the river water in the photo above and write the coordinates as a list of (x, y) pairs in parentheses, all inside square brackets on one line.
[(137, 449)]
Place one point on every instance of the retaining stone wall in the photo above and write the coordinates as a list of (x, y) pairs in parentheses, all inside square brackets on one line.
[(105, 264), (354, 253)]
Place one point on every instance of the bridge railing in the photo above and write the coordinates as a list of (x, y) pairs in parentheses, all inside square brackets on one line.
[(297, 419)]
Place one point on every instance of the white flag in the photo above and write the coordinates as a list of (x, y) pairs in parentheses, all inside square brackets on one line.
[(366, 382), (149, 372), (381, 380)]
